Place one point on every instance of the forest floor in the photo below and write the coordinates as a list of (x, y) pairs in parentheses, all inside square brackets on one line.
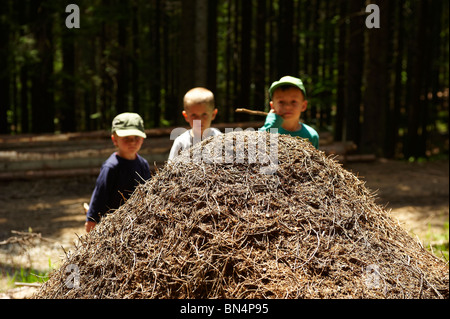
[(48, 212)]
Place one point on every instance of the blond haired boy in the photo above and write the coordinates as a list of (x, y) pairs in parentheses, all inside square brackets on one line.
[(199, 111)]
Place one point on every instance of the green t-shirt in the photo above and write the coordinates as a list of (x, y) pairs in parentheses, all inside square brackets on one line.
[(275, 121)]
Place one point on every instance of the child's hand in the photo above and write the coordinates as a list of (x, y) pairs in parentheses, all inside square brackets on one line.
[(89, 225), (277, 113)]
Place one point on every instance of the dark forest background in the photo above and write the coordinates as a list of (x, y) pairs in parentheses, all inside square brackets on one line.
[(385, 89)]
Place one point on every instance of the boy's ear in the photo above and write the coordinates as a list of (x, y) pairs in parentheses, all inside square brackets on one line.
[(214, 113), (271, 104), (185, 116), (304, 105), (113, 138)]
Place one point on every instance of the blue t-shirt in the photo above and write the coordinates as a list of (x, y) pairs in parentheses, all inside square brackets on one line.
[(118, 176), (275, 121)]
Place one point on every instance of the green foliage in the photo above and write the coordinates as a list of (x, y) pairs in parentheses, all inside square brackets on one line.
[(26, 275), (437, 243)]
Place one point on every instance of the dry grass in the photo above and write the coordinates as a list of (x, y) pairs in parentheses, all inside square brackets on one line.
[(225, 230)]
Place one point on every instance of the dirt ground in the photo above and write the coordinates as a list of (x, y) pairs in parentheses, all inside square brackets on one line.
[(417, 194)]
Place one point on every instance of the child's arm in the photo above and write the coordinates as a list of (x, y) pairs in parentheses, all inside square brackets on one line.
[(98, 202), (174, 151), (181, 142), (273, 120), (88, 225)]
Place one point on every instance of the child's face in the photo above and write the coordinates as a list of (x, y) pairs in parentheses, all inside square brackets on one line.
[(199, 112), (288, 103), (128, 146)]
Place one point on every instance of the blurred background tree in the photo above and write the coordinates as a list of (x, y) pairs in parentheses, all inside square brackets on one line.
[(385, 89)]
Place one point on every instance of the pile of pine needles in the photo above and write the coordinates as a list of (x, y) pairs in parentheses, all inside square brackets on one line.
[(215, 228)]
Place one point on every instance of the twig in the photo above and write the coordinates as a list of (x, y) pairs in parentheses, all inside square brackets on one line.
[(27, 284), (252, 112)]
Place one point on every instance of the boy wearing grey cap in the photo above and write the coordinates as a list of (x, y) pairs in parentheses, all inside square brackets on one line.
[(122, 171), (287, 103)]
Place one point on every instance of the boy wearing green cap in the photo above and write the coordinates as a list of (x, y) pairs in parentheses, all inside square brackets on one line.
[(122, 171), (287, 103)]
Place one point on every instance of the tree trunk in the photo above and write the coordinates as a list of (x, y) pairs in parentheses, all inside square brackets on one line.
[(67, 112), (377, 79), (122, 69), (415, 76), (156, 71), (285, 39), (4, 71), (211, 76), (355, 54), (260, 56), (398, 91), (340, 126), (135, 59), (245, 59), (201, 43), (313, 49), (229, 62), (389, 20), (42, 103), (194, 46)]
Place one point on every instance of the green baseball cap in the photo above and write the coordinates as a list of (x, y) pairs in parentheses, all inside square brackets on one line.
[(287, 81), (128, 124)]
